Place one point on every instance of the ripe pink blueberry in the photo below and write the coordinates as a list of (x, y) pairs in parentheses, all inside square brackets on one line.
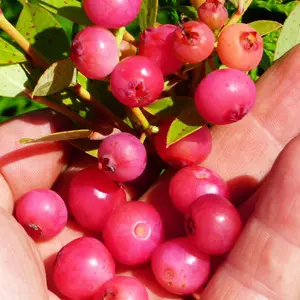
[(122, 288), (213, 224), (192, 149), (42, 213), (112, 13), (95, 52), (245, 42), (157, 45), (132, 233), (193, 42), (225, 96), (213, 13), (180, 267), (122, 157), (82, 267), (92, 198), (191, 182), (137, 81)]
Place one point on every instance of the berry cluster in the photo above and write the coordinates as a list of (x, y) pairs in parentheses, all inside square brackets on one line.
[(133, 232)]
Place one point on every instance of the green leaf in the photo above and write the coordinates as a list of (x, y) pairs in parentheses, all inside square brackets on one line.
[(70, 9), (264, 27), (189, 11), (148, 13), (187, 122), (278, 6), (43, 32), (60, 136), (56, 78), (169, 106), (290, 33), (13, 80), (9, 54), (87, 146)]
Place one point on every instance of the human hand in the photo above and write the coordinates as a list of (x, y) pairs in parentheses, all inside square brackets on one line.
[(264, 262)]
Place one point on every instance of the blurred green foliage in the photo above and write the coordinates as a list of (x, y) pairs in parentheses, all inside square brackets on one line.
[(260, 9)]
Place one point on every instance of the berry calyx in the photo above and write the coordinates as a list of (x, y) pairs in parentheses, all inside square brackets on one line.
[(233, 98), (137, 81), (246, 43), (95, 52), (193, 42), (122, 157)]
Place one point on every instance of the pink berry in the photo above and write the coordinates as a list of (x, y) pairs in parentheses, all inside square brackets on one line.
[(246, 44), (122, 157), (179, 267), (93, 197), (112, 13), (95, 52), (157, 45), (191, 182), (82, 267), (132, 233), (193, 42), (122, 288), (192, 149), (42, 213), (137, 81), (213, 13), (225, 96), (213, 224)]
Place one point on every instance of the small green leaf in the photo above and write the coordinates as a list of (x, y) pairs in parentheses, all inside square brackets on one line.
[(187, 122), (70, 9), (279, 6), (119, 33), (13, 80), (169, 84), (169, 106), (60, 136), (148, 13), (56, 78), (264, 27), (290, 33), (189, 11), (9, 54), (43, 32)]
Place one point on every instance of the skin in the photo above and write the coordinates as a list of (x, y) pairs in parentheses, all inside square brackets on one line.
[(259, 154)]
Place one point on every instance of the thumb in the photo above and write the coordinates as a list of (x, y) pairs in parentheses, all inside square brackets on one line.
[(264, 263)]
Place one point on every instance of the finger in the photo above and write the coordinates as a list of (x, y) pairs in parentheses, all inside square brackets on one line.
[(26, 167), (21, 271), (264, 262)]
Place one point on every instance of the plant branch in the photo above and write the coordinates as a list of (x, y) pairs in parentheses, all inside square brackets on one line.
[(238, 14), (141, 118), (42, 62)]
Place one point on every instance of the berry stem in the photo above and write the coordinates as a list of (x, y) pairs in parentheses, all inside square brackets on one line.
[(60, 109), (143, 137), (238, 14), (128, 37), (42, 62), (141, 117)]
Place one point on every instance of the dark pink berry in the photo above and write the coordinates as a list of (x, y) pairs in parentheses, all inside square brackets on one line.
[(191, 182), (193, 42), (132, 233), (122, 157), (157, 45), (213, 13), (225, 96), (112, 13), (213, 224), (122, 288), (82, 267), (137, 81), (42, 213), (192, 149), (180, 267), (93, 197), (245, 42), (95, 52)]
